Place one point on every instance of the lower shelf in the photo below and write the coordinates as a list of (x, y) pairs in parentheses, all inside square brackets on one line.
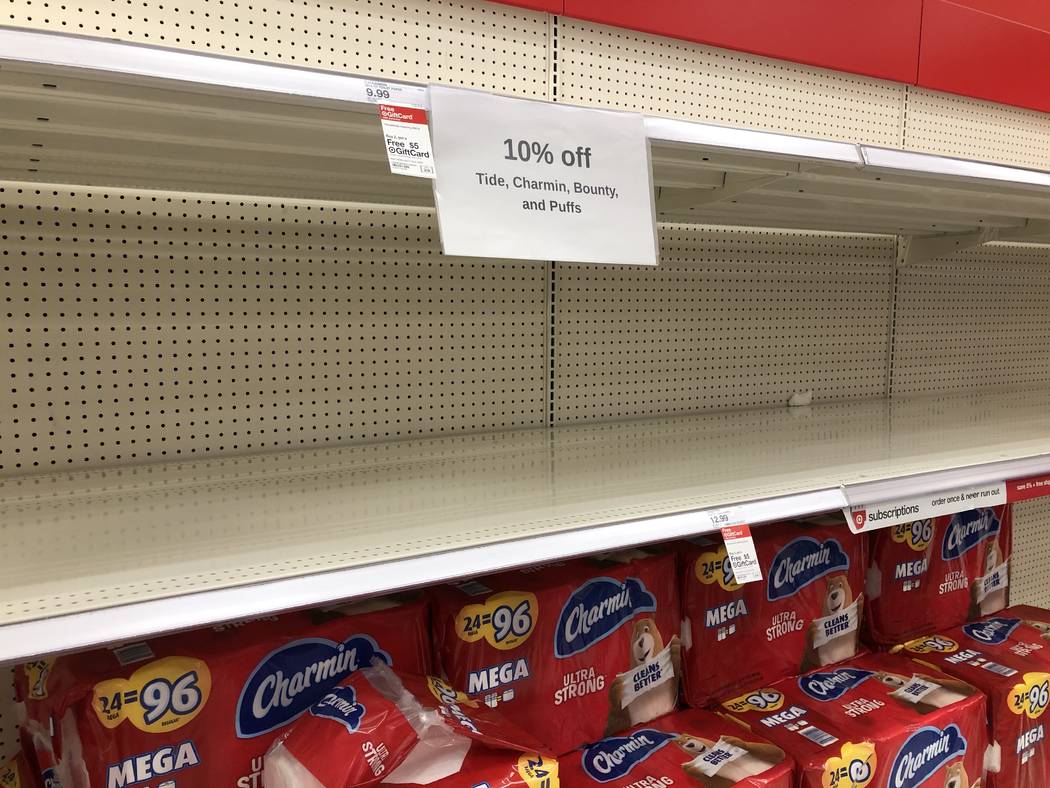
[(106, 556)]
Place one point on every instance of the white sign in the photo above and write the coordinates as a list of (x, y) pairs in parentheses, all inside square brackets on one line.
[(712, 761), (996, 580), (531, 180), (407, 139), (647, 676), (915, 690), (862, 519), (836, 625), (740, 548)]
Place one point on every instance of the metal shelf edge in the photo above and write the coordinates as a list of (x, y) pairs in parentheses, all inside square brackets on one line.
[(76, 631), (53, 49), (74, 51), (874, 492)]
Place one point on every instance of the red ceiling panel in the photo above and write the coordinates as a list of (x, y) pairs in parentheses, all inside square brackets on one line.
[(879, 38), (974, 53)]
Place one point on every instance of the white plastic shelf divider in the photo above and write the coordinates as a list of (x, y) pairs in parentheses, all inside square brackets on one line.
[(76, 110), (105, 556)]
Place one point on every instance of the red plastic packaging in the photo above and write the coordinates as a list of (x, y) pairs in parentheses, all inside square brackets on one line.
[(1007, 656), (204, 706), (872, 723), (353, 736), (571, 651), (937, 573), (377, 727), (690, 747), (805, 612)]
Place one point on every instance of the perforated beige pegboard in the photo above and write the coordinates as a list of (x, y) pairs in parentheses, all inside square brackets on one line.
[(977, 319), (612, 67), (1029, 583), (144, 325), (730, 319), (474, 44), (969, 128)]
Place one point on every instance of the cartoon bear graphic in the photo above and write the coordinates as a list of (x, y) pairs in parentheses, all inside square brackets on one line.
[(759, 757), (646, 643), (837, 598), (956, 777), (991, 557), (950, 690), (1042, 626)]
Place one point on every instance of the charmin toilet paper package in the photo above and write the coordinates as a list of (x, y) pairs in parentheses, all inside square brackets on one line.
[(202, 708), (380, 727), (877, 721), (937, 573), (572, 651), (691, 747), (1007, 656), (805, 612)]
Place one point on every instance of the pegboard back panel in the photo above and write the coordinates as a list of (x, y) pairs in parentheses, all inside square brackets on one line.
[(730, 319), (471, 43), (1028, 582), (146, 326), (623, 69), (969, 128), (973, 320)]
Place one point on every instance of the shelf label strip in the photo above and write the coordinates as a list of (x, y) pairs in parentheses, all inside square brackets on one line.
[(1028, 488), (871, 517)]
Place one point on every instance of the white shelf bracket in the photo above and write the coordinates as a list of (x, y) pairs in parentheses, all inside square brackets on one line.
[(733, 184), (912, 250)]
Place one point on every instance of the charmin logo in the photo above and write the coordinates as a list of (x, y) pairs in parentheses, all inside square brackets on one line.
[(290, 679), (597, 609), (450, 701), (340, 705), (967, 530), (613, 758), (925, 751), (832, 685), (802, 562), (992, 631)]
